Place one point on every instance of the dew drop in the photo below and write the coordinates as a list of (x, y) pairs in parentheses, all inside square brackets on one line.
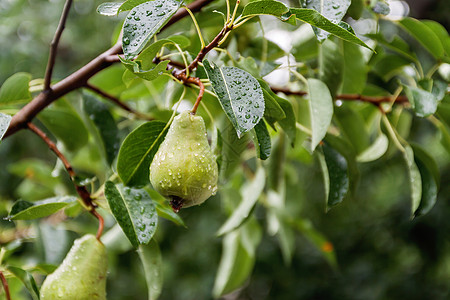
[(126, 41)]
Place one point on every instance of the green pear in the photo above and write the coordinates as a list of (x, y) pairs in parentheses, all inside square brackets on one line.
[(184, 168), (82, 274)]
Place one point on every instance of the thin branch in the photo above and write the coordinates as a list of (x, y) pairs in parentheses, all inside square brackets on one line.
[(54, 45), (81, 190), (201, 55), (81, 77), (5, 286), (355, 97), (116, 101)]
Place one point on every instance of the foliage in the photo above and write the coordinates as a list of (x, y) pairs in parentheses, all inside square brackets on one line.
[(351, 116)]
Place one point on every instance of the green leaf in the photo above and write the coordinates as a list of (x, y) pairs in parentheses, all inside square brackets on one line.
[(164, 209), (239, 94), (109, 8), (331, 65), (273, 8), (24, 210), (415, 180), (424, 35), (321, 110), (317, 239), (143, 22), (374, 151), (261, 139), (390, 65), (130, 4), (149, 75), (150, 256), (424, 103), (66, 125), (27, 279), (137, 151), (441, 33), (15, 89), (232, 148), (238, 258), (5, 120), (352, 125), (288, 124), (355, 69), (332, 10), (338, 178), (134, 211), (312, 17), (250, 194), (429, 174), (99, 114)]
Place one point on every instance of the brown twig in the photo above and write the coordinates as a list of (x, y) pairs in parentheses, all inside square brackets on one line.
[(5, 286), (81, 190), (54, 45), (80, 77), (356, 97), (116, 101), (201, 55)]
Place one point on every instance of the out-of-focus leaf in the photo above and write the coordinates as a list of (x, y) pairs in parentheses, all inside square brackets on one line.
[(261, 139), (250, 194), (331, 65), (429, 174), (441, 33), (24, 210), (355, 69), (238, 258), (137, 151), (376, 150), (150, 256), (240, 95), (66, 125), (353, 127), (134, 211), (27, 279), (415, 180), (317, 239), (424, 103), (104, 121), (15, 89), (424, 35), (321, 110)]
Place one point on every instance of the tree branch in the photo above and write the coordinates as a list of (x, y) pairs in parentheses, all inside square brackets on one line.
[(116, 101), (5, 286), (80, 77), (357, 97), (54, 45), (81, 190)]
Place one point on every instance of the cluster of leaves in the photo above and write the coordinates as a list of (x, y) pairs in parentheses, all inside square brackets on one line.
[(252, 126)]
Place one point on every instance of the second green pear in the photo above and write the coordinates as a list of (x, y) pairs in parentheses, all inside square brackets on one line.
[(82, 274), (184, 169)]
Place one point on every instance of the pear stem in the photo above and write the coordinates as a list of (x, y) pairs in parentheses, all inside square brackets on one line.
[(101, 224), (5, 286), (200, 96)]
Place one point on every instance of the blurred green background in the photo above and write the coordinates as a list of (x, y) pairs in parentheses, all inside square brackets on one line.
[(381, 253)]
